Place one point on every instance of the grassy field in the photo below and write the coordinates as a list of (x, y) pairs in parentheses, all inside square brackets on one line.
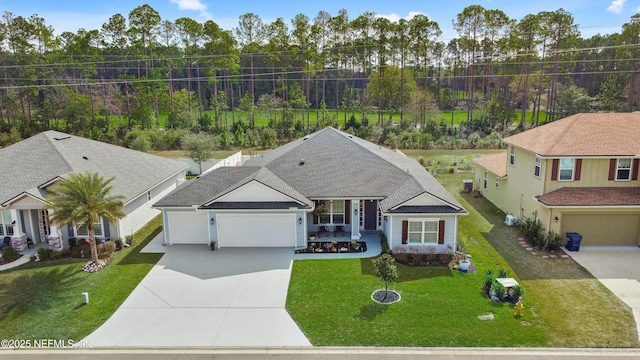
[(564, 305), (43, 300), (312, 117)]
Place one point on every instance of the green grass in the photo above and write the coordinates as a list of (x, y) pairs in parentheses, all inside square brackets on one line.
[(564, 305), (43, 300)]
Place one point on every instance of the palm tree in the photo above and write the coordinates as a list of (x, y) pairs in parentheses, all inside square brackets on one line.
[(83, 199)]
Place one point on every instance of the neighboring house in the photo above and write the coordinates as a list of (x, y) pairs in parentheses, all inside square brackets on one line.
[(269, 201), (33, 166), (577, 174)]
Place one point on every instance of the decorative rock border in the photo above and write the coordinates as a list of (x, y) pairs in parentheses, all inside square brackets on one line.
[(392, 297)]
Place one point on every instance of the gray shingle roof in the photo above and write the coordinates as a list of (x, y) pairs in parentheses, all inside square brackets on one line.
[(326, 164), (37, 160)]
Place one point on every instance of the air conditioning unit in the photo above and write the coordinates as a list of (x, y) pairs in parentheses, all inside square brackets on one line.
[(510, 220)]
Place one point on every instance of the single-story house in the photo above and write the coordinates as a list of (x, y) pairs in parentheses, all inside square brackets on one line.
[(328, 180), (32, 166)]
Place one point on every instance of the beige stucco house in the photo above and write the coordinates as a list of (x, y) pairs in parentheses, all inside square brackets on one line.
[(577, 174)]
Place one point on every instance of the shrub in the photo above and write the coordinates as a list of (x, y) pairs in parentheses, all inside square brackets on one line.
[(33, 257), (498, 290), (128, 240), (72, 242), (54, 255), (9, 254), (44, 253), (553, 240), (516, 293), (75, 251), (383, 242), (502, 273), (65, 253), (106, 250), (488, 281), (118, 243), (533, 231)]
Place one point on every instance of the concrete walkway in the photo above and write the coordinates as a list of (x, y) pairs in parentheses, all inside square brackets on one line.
[(25, 258), (196, 297), (617, 268)]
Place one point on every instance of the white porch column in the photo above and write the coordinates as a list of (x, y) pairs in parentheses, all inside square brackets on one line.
[(16, 222), (55, 237), (355, 219)]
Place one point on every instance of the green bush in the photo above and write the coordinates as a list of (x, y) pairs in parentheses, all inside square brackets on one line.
[(106, 250), (129, 240), (383, 242), (533, 231), (516, 293), (488, 281), (498, 290), (65, 253), (72, 242), (553, 240), (44, 253), (9, 254), (502, 273), (119, 244)]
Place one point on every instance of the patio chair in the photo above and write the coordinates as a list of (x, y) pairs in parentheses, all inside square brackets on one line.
[(339, 231), (7, 242), (323, 230)]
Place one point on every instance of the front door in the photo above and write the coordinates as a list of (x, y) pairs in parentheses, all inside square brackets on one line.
[(370, 214)]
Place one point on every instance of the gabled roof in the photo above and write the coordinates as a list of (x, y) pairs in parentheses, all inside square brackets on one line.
[(34, 162), (592, 196), (589, 134), (496, 163), (323, 165)]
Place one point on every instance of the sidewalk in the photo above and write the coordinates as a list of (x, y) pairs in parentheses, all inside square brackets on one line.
[(24, 258)]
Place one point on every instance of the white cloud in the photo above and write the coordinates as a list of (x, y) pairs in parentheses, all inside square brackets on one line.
[(194, 5), (393, 17), (616, 6)]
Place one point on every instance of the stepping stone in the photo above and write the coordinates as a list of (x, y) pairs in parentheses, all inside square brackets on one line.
[(545, 257), (529, 249), (565, 256), (520, 238), (488, 316), (553, 256), (524, 245), (534, 253)]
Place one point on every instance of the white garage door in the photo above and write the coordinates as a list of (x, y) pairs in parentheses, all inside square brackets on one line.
[(188, 228), (256, 230)]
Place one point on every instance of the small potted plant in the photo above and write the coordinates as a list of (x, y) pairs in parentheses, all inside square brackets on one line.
[(464, 263), (212, 245), (312, 236)]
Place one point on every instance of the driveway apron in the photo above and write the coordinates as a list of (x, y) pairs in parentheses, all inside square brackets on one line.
[(196, 297), (617, 268)]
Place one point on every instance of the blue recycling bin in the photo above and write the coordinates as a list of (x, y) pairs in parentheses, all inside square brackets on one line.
[(573, 241)]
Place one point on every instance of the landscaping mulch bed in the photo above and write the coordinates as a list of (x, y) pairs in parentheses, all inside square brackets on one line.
[(333, 247)]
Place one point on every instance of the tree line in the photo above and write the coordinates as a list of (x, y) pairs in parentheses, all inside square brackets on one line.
[(131, 71)]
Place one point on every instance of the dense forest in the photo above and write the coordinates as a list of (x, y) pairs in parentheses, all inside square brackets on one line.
[(138, 72)]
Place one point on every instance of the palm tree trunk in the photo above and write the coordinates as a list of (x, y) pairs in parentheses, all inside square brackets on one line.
[(92, 243)]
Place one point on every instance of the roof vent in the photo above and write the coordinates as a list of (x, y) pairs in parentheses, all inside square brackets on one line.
[(301, 162), (86, 158), (305, 138), (350, 136), (62, 138)]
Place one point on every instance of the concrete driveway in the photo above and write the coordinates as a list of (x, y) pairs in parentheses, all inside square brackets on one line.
[(617, 268), (199, 298)]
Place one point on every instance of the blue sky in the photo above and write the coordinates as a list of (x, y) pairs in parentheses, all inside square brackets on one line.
[(592, 16)]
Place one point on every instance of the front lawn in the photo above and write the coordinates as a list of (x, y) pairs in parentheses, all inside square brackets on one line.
[(43, 300), (564, 305)]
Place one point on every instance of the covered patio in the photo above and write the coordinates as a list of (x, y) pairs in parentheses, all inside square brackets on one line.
[(371, 240)]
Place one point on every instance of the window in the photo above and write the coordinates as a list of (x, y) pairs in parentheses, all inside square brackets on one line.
[(6, 228), (486, 174), (334, 212), (149, 195), (423, 232), (623, 171), (536, 167), (566, 169), (512, 156), (83, 230), (497, 182)]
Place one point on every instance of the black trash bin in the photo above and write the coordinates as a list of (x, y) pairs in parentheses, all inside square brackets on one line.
[(573, 241)]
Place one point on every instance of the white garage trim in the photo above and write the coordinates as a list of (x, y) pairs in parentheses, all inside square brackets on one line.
[(188, 227), (256, 230)]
